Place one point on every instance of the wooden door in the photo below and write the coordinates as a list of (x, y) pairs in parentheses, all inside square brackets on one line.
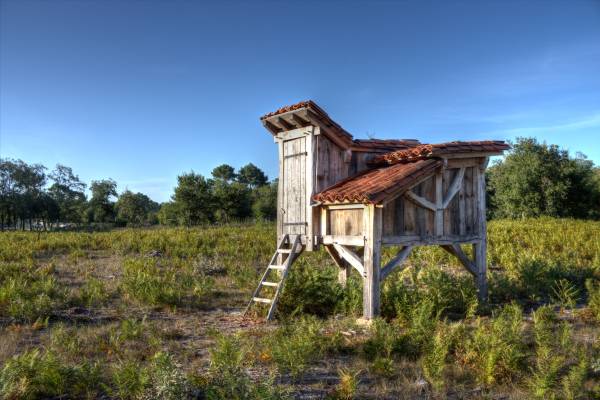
[(294, 202)]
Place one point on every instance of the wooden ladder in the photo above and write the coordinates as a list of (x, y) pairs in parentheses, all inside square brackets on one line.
[(288, 249)]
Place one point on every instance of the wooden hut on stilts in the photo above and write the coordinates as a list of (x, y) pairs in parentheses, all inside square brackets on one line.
[(354, 197)]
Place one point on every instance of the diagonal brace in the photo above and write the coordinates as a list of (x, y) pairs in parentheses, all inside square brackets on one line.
[(457, 251), (395, 262), (351, 258)]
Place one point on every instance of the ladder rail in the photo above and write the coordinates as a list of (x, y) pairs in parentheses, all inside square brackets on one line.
[(291, 258), (264, 275), (292, 253)]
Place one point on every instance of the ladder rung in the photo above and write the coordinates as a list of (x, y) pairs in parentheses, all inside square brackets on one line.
[(261, 300), (279, 267), (285, 251), (270, 284)]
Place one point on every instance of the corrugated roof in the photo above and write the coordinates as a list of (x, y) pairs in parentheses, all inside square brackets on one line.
[(373, 186)]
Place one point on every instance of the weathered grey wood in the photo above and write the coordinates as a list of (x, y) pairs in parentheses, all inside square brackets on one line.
[(300, 122), (345, 206), (296, 250), (473, 155), (420, 201), (428, 240), (324, 215), (358, 241), (371, 259), (280, 205), (439, 200), (395, 262), (343, 267), (346, 221), (285, 124), (294, 133), (310, 175), (480, 249), (454, 187), (457, 252), (350, 257)]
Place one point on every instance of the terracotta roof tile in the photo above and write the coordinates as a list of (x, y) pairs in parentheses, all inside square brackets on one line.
[(435, 150), (385, 144), (318, 112), (372, 186), (303, 104)]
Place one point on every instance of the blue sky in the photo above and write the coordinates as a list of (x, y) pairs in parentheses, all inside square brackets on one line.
[(141, 91)]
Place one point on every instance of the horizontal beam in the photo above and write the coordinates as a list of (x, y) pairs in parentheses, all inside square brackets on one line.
[(345, 207), (395, 262), (351, 258), (427, 240), (344, 240), (295, 133)]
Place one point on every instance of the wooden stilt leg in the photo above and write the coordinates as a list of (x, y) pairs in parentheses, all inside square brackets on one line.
[(344, 274), (479, 250), (344, 267), (372, 261)]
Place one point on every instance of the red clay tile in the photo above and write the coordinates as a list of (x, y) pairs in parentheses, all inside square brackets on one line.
[(374, 185)]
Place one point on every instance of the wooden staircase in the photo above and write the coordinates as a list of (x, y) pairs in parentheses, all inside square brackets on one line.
[(288, 249)]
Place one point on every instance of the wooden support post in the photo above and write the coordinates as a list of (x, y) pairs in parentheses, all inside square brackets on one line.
[(439, 202), (310, 175), (343, 267), (372, 227), (280, 205), (480, 248)]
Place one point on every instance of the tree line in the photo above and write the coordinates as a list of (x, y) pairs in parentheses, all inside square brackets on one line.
[(31, 198), (534, 179)]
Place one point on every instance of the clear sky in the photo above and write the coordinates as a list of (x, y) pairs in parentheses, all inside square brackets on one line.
[(141, 91)]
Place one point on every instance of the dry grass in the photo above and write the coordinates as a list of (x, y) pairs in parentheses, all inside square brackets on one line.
[(156, 314)]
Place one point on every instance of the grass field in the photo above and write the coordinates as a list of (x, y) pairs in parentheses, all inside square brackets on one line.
[(156, 314)]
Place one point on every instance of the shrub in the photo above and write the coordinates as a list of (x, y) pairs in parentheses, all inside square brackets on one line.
[(495, 351), (227, 378), (148, 282), (593, 290), (310, 290), (34, 375), (93, 293), (30, 296), (295, 344), (433, 362), (554, 352)]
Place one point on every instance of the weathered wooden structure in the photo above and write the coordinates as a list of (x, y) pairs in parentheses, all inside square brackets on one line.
[(355, 196)]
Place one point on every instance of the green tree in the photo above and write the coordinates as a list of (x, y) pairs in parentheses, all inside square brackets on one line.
[(252, 176), (193, 199), (539, 179), (224, 172), (68, 193), (233, 201), (264, 204), (101, 207), (21, 192), (169, 214), (135, 209)]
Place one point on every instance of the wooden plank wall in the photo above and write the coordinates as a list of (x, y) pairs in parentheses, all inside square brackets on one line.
[(345, 222), (294, 186), (331, 164), (403, 217)]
